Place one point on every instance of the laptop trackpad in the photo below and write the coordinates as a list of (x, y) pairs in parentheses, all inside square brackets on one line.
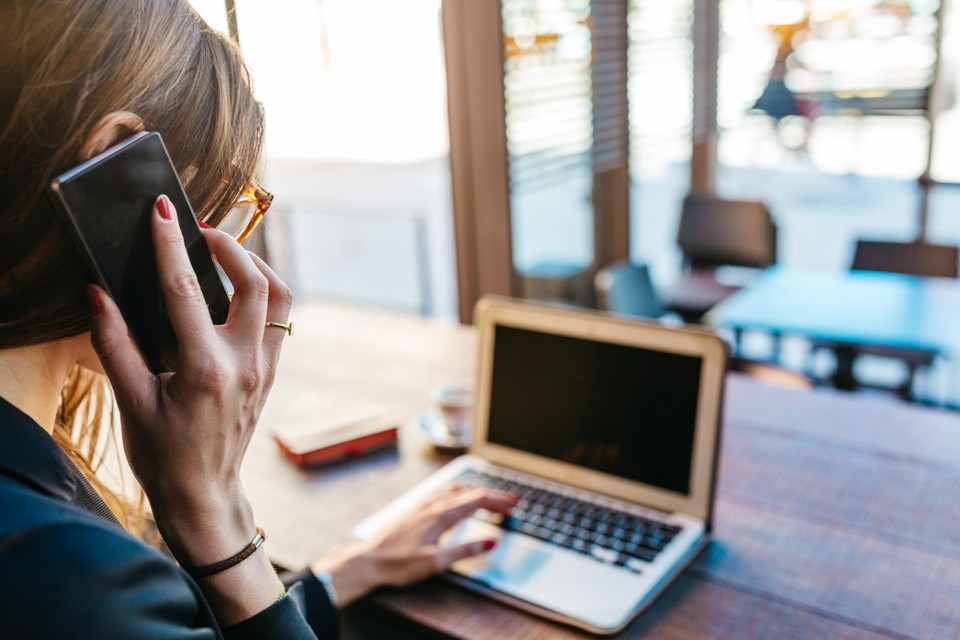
[(549, 576), (514, 561)]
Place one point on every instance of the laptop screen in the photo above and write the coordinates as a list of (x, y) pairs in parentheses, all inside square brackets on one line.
[(621, 410)]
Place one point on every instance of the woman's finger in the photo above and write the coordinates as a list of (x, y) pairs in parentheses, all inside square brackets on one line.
[(278, 308), (445, 497), (251, 289), (446, 556), (459, 507), (185, 303), (458, 494), (122, 362), (452, 490)]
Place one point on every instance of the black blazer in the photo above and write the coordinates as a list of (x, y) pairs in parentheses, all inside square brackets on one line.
[(68, 570)]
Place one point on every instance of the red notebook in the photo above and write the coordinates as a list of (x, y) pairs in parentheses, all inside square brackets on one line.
[(336, 438)]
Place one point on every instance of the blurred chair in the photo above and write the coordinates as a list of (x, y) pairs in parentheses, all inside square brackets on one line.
[(626, 288), (715, 233), (911, 258)]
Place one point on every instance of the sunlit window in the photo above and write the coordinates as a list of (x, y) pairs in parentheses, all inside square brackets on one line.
[(346, 80)]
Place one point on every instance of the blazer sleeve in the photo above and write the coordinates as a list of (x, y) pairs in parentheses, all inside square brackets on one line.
[(81, 580), (321, 614), (306, 601)]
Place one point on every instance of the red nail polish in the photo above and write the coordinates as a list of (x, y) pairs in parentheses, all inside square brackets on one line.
[(489, 544), (94, 301), (165, 208), (203, 225)]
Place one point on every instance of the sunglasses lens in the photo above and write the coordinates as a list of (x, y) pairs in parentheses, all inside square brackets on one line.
[(247, 213), (238, 219)]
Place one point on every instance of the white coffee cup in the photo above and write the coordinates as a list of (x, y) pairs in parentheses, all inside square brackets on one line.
[(455, 405)]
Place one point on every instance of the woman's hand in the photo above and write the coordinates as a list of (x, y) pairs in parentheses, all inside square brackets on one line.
[(185, 433), (408, 551)]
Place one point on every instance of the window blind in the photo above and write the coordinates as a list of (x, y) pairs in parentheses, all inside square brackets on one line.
[(547, 90), (661, 70), (564, 88)]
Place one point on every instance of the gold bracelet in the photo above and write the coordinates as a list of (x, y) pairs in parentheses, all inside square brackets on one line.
[(232, 561)]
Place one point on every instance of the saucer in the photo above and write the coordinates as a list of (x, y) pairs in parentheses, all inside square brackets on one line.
[(433, 429)]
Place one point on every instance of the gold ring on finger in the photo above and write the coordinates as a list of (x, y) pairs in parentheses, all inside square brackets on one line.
[(288, 327)]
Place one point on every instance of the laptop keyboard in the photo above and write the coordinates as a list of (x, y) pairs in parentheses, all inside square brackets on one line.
[(607, 535)]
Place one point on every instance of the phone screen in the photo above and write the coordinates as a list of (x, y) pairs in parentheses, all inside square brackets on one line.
[(107, 203)]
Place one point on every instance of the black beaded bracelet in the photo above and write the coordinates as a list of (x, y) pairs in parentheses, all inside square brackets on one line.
[(232, 561)]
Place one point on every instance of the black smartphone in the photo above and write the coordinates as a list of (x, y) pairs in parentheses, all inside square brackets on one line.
[(106, 204)]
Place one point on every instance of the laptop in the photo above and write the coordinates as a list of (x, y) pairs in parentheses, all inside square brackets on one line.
[(609, 429)]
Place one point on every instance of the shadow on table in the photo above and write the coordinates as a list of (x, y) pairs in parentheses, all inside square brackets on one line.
[(386, 458), (364, 621)]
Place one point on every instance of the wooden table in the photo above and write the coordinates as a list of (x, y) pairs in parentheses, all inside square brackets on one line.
[(837, 515)]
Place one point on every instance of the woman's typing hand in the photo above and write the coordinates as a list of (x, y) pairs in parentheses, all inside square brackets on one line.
[(185, 433), (408, 550)]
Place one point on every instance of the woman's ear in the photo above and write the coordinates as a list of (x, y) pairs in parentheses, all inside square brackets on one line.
[(111, 129)]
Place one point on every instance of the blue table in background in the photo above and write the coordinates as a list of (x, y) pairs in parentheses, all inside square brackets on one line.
[(858, 312)]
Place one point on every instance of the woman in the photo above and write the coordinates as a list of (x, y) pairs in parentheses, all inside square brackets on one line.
[(77, 77)]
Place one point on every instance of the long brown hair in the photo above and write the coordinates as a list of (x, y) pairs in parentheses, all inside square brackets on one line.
[(64, 64), (84, 429)]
